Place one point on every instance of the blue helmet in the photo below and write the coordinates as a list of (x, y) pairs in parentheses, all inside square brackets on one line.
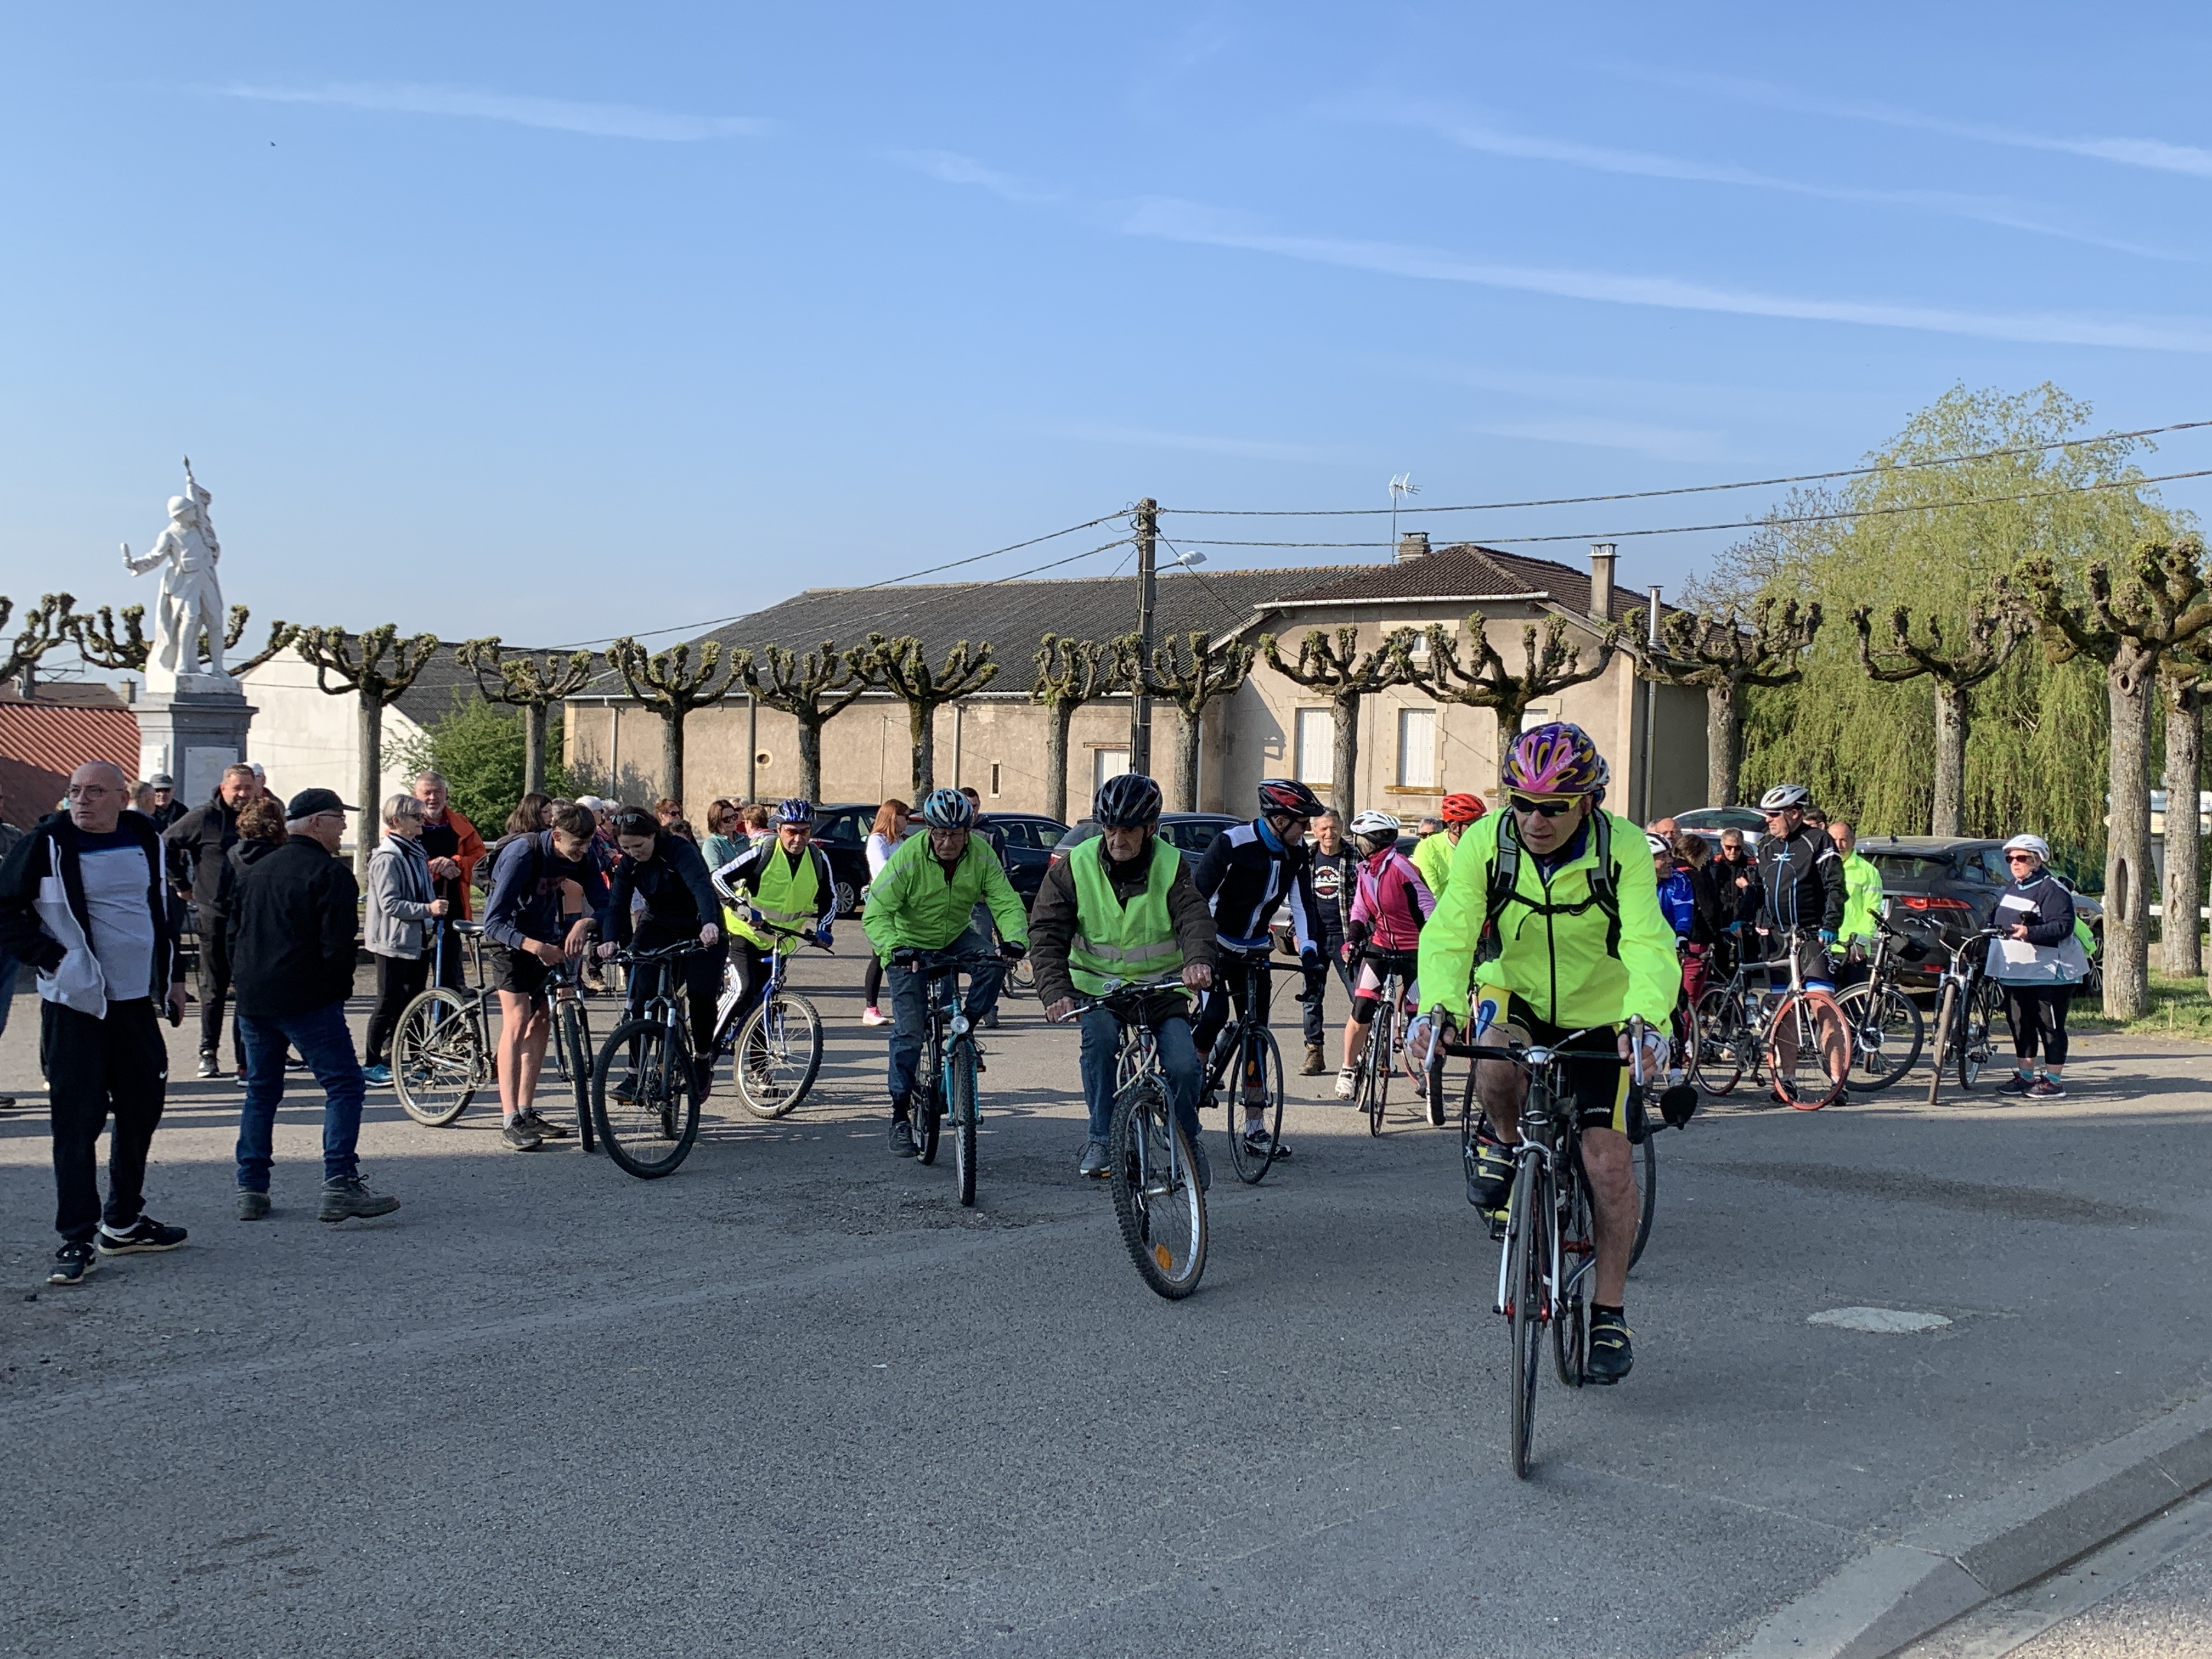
[(795, 811), (948, 809)]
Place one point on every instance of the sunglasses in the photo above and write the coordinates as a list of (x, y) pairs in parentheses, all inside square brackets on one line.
[(1547, 806), (2020, 857)]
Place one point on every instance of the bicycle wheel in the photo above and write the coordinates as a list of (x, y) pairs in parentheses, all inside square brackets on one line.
[(1367, 1082), (1382, 1049), (1528, 1258), (778, 1051), (437, 1058), (1976, 1044), (963, 1111), (1258, 1081), (1816, 1078), (1647, 1191), (1946, 1036), (575, 1035), (1157, 1198), (928, 1117), (645, 1099), (1571, 1313), (1020, 980), (1719, 1059), (1888, 1031)]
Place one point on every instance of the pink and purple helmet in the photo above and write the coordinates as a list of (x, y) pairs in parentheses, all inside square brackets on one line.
[(1556, 759)]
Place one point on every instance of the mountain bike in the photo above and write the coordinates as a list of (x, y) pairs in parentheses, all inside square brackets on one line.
[(1371, 1084), (1887, 1028), (779, 1047), (646, 1083), (1966, 1013), (946, 1090), (1249, 1047), (1159, 1200), (1805, 1019)]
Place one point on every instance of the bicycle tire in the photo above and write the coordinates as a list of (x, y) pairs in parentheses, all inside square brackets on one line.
[(1526, 1251), (962, 1107), (650, 1134), (1148, 1202), (1719, 1060), (1884, 1046), (1381, 1045), (437, 1057), (1946, 1013), (576, 1034), (1571, 1308), (1020, 980), (1647, 1191), (779, 1051), (1978, 1043), (1831, 1042), (1251, 1166), (928, 1118)]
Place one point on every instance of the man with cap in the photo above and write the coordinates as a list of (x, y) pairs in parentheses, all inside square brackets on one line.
[(292, 926), (167, 809)]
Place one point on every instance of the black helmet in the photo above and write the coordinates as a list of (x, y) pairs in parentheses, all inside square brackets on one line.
[(1127, 801), (1290, 798)]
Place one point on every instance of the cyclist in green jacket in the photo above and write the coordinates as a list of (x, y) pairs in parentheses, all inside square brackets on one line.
[(919, 914), (1861, 888)]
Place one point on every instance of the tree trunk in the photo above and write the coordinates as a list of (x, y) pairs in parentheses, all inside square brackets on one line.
[(2127, 853), (1723, 730), (810, 753), (921, 725), (1058, 718), (2184, 767), (369, 820), (1949, 816), (1187, 729), (533, 749), (671, 754), (1347, 756)]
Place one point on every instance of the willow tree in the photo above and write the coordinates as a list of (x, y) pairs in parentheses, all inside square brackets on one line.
[(2158, 608), (377, 666), (1993, 629), (1069, 674), (813, 688), (46, 625), (1551, 661), (901, 667), (1333, 663), (672, 685), (531, 681), (1206, 670)]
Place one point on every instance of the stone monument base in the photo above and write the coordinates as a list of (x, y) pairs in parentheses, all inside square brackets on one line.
[(192, 734)]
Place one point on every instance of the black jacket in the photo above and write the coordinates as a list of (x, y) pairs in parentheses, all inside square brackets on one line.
[(679, 897), (197, 842), (1800, 877), (242, 857), (1247, 879), (23, 937), (293, 918)]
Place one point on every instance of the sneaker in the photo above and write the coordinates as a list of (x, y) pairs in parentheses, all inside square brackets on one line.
[(252, 1205), (1610, 1356), (72, 1262), (623, 1088), (990, 1020), (348, 1197), (7, 1103), (376, 1077), (1491, 1186), (544, 1128), (143, 1235), (872, 1016), (2020, 1082), (211, 1066), (1346, 1079), (2047, 1088), (1093, 1162), (1316, 1064), (902, 1138), (519, 1136), (1257, 1142)]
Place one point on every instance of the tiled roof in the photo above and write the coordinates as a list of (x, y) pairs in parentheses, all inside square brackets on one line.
[(42, 743), (1464, 572)]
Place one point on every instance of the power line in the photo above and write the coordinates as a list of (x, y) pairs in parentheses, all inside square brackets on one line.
[(1649, 495)]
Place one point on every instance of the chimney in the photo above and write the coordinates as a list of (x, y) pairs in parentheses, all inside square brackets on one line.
[(1414, 544), (1603, 559)]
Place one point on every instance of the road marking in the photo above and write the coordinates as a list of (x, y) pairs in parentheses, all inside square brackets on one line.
[(1889, 1320)]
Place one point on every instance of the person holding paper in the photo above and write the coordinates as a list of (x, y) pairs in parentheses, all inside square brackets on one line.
[(2038, 963)]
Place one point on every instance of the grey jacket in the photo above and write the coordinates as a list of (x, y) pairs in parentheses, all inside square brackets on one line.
[(399, 895)]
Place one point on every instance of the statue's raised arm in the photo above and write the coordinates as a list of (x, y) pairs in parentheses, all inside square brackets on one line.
[(190, 605)]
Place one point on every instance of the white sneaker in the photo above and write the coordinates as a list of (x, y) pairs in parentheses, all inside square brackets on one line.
[(1344, 1079), (870, 1017)]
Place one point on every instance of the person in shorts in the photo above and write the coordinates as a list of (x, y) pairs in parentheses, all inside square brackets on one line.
[(525, 938)]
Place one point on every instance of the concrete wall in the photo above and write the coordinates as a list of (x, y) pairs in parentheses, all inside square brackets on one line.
[(306, 739)]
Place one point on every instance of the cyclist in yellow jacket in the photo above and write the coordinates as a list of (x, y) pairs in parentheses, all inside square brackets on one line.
[(1433, 854), (1553, 917)]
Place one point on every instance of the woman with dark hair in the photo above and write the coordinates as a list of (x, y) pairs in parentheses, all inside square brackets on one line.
[(666, 872), (883, 841)]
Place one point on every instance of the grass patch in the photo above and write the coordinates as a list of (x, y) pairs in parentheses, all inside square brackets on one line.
[(2179, 1008)]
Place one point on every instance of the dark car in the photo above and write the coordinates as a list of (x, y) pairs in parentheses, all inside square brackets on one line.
[(1030, 837), (842, 832), (1950, 885)]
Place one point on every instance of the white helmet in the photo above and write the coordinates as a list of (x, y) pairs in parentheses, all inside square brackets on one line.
[(2034, 844), (1660, 847), (1783, 796), (1378, 828)]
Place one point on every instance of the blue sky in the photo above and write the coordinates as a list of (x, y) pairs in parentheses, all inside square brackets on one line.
[(557, 320)]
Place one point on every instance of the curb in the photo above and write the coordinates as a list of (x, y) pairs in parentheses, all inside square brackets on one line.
[(1898, 1592)]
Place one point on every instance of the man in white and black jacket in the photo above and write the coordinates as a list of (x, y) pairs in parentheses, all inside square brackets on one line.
[(83, 901)]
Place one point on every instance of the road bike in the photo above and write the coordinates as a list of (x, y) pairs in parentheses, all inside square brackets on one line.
[(647, 1083), (1726, 1026), (1386, 1032), (1886, 1026), (1966, 1007), (1248, 1046), (1159, 1196), (779, 1047), (1804, 1020), (945, 1091), (443, 1049)]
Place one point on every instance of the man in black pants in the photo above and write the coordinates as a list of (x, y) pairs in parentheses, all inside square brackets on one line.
[(1334, 870), (100, 939), (197, 843)]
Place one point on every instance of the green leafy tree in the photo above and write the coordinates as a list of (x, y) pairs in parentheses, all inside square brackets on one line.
[(1993, 628), (481, 749)]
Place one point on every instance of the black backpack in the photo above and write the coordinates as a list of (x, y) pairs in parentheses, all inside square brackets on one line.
[(1505, 873)]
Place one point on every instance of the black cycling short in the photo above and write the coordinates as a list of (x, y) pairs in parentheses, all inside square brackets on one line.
[(1599, 1088), (516, 971)]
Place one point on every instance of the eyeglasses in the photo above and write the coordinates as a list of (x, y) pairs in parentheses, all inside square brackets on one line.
[(1548, 806)]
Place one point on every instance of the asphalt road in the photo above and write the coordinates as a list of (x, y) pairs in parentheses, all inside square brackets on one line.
[(795, 1400)]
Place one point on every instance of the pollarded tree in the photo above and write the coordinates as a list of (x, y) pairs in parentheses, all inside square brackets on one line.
[(46, 625), (1992, 632), (1551, 663), (1069, 674), (1206, 670), (668, 683), (377, 666), (1723, 656), (813, 688), (532, 682), (2159, 608), (1338, 668), (98, 642), (900, 667), (2183, 677)]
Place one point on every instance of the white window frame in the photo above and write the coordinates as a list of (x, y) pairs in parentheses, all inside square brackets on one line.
[(1323, 720), (1414, 720)]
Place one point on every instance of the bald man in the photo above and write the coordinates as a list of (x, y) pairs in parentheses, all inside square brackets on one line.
[(106, 959)]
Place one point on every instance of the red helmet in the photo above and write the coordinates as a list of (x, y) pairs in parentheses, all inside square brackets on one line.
[(1463, 808)]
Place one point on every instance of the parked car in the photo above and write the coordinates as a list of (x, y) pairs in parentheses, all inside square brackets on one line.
[(1030, 837), (842, 831), (1708, 822), (1947, 886), (1192, 833)]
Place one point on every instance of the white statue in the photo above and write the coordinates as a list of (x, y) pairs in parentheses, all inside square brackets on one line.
[(190, 605)]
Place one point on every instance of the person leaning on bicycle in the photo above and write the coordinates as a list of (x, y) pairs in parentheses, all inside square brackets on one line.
[(772, 894), (1802, 891), (1123, 908), (1553, 915), (668, 873), (1389, 903), (918, 915)]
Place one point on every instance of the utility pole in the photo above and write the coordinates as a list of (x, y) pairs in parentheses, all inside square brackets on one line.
[(1650, 709), (1140, 700)]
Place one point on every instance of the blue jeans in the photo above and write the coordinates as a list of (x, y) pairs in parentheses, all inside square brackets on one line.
[(326, 1045), (910, 1010), (1102, 1035)]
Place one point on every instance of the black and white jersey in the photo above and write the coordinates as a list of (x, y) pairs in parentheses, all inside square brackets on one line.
[(1245, 874), (1801, 880)]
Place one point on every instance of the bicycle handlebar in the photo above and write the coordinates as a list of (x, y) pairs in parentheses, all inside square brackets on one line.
[(1128, 987), (662, 953), (955, 965)]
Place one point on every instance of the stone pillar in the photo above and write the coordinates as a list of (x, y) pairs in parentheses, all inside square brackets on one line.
[(192, 734)]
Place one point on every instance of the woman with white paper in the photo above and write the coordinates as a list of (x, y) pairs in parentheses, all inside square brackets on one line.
[(2037, 962)]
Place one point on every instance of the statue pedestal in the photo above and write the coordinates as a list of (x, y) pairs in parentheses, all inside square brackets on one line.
[(192, 734)]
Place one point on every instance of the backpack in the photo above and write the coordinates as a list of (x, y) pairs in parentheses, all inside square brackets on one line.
[(1505, 873)]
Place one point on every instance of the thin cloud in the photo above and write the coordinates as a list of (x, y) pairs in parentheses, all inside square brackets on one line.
[(1600, 432), (949, 167), (1170, 220), (1249, 448), (558, 114)]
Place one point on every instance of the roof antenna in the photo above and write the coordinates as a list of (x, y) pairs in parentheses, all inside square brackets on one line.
[(1403, 484)]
